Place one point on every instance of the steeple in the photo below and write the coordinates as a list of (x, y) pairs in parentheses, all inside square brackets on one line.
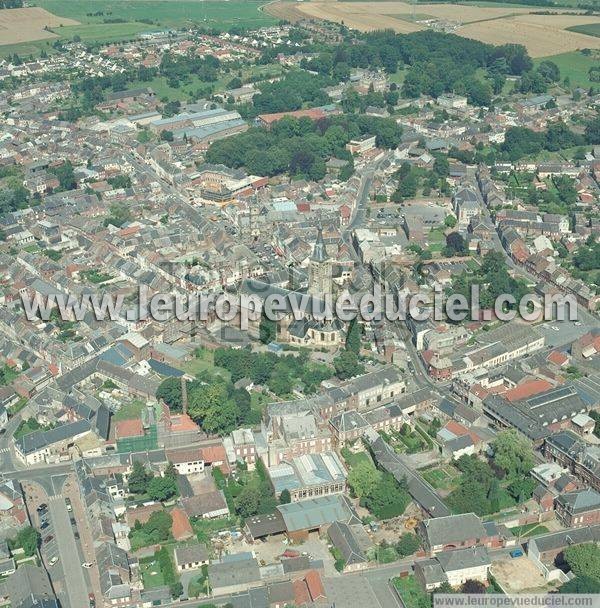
[(319, 253)]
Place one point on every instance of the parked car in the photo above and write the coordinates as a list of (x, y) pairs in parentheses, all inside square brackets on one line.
[(49, 538), (53, 560), (42, 507), (516, 553)]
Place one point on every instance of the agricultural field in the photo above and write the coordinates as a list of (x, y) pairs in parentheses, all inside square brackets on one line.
[(19, 25), (162, 13), (23, 30), (592, 29), (497, 24)]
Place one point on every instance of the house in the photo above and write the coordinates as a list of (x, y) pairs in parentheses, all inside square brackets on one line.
[(454, 567), (453, 532), (191, 557), (579, 508), (352, 542), (548, 547), (237, 572)]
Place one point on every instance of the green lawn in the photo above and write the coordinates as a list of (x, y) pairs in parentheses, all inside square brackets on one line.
[(151, 573), (129, 410), (575, 65), (529, 530), (441, 478), (203, 361), (163, 13), (28, 426), (410, 591), (353, 459)]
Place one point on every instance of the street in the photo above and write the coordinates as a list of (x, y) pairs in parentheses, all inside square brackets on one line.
[(68, 551)]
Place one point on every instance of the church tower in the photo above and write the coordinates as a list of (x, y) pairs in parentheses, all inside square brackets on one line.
[(320, 271)]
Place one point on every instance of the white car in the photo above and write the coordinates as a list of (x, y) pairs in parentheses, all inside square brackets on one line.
[(554, 328), (87, 564), (53, 560)]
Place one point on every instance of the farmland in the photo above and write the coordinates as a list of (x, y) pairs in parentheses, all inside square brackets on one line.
[(25, 24), (591, 29), (497, 24), (103, 21), (162, 13)]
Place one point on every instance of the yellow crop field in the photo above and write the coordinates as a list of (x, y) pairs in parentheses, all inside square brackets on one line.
[(543, 35), (27, 24)]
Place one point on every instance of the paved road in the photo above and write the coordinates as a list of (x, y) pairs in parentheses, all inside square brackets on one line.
[(70, 559)]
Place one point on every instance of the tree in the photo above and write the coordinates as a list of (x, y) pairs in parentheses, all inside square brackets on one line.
[(29, 539), (170, 392), (284, 497), (138, 479), (363, 478), (513, 453), (407, 544), (176, 589), (65, 174), (267, 329), (549, 70), (450, 221), (471, 586), (353, 337), (455, 244), (162, 488), (584, 560), (248, 501), (580, 584), (592, 131), (166, 135), (347, 366)]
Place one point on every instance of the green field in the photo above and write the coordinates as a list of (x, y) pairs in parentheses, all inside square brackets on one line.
[(141, 16), (575, 65), (591, 29), (162, 13)]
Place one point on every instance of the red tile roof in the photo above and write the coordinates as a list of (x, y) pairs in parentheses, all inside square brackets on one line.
[(315, 585), (301, 594), (557, 357), (129, 428), (527, 389)]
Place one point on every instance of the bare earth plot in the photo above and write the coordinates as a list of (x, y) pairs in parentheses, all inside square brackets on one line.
[(26, 24), (518, 575), (543, 35)]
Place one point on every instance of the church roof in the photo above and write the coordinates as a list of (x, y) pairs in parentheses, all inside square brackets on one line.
[(319, 253)]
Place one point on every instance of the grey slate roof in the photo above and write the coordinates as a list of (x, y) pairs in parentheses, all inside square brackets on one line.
[(453, 529)]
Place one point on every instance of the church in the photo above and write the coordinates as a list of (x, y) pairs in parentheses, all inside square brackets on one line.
[(306, 331)]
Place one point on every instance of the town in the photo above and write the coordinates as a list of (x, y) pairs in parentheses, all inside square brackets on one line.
[(297, 461)]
